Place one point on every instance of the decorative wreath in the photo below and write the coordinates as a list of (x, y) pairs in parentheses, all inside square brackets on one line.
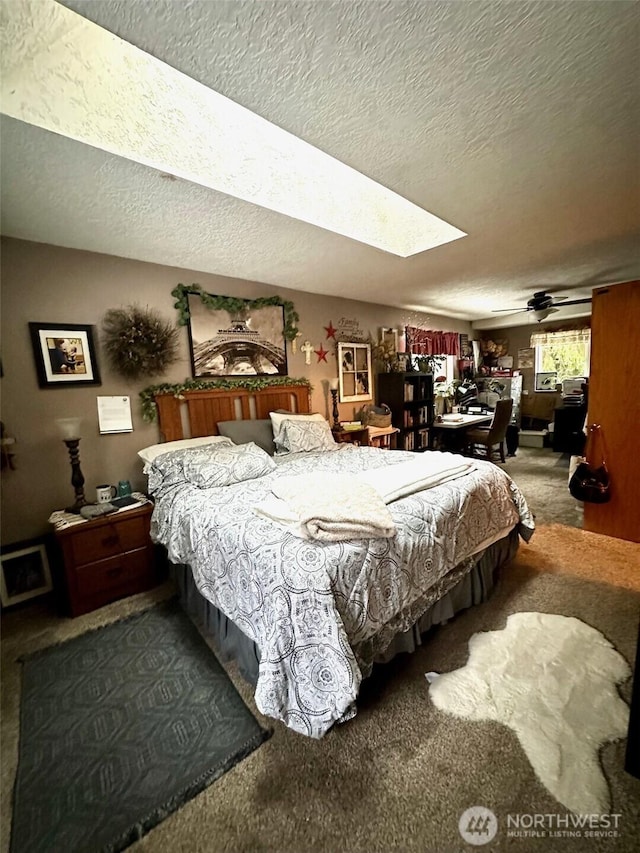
[(139, 342)]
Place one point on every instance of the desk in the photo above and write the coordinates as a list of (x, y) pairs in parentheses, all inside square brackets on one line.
[(452, 424)]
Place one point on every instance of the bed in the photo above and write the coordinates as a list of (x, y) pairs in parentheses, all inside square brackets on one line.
[(306, 617)]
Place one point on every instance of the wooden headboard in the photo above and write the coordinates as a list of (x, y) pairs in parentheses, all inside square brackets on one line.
[(196, 413)]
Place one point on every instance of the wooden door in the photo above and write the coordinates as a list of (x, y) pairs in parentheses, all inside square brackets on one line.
[(614, 403)]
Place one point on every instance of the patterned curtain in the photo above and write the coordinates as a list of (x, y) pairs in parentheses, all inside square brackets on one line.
[(571, 336), (429, 342)]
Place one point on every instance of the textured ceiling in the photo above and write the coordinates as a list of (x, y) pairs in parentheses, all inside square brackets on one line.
[(516, 122)]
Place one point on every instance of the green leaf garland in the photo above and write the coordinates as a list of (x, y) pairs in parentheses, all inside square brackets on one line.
[(251, 383), (233, 305)]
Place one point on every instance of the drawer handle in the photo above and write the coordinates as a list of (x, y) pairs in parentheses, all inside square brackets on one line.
[(110, 540), (113, 573)]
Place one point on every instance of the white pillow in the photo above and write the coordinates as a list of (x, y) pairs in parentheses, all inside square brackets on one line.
[(277, 419), (208, 468), (304, 436), (148, 454)]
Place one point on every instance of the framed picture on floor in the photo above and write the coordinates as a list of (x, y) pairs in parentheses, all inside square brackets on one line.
[(25, 574), (64, 354)]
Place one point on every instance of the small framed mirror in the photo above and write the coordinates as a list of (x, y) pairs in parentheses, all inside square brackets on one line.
[(354, 365)]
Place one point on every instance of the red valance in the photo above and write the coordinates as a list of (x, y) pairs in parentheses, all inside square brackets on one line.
[(428, 342)]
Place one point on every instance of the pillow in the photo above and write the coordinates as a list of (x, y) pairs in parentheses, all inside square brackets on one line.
[(148, 454), (260, 432), (209, 467), (303, 436), (277, 419)]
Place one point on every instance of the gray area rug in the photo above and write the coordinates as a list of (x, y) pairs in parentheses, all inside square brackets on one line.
[(119, 728)]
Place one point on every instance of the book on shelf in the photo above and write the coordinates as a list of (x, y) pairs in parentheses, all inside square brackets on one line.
[(408, 392)]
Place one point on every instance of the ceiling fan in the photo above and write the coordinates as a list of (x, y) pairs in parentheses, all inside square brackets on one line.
[(542, 304)]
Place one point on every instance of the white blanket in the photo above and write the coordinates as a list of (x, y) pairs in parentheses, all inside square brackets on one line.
[(328, 507), (424, 472)]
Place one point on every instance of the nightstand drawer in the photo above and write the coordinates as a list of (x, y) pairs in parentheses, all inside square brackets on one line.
[(115, 574), (109, 539)]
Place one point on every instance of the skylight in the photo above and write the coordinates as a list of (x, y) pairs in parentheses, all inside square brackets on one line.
[(67, 75)]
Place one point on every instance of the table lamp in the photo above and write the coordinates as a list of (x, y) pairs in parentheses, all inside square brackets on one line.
[(69, 429), (333, 386)]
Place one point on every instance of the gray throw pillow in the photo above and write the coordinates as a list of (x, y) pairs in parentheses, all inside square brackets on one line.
[(260, 432)]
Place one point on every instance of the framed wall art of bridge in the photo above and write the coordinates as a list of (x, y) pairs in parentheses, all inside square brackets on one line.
[(239, 339)]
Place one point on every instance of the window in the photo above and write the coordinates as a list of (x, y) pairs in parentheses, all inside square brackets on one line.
[(566, 354), (354, 362)]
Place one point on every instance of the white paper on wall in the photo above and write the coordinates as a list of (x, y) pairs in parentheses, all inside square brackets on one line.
[(114, 414)]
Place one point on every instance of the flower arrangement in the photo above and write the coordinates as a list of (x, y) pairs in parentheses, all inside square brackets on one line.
[(384, 356), (446, 389), (138, 341)]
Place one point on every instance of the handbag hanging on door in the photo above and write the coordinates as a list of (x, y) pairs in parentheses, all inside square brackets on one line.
[(591, 481)]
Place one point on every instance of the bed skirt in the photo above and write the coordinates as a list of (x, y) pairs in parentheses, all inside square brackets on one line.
[(232, 644)]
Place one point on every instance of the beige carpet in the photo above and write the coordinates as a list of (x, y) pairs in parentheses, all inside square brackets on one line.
[(400, 774)]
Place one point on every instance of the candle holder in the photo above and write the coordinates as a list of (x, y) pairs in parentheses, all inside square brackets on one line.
[(335, 413), (77, 479), (68, 428)]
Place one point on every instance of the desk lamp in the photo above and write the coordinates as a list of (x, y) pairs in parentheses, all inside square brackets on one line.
[(69, 429)]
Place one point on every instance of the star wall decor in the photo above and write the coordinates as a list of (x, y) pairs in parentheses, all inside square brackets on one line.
[(331, 332), (321, 353)]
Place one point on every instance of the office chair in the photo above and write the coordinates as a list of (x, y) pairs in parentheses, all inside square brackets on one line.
[(490, 436)]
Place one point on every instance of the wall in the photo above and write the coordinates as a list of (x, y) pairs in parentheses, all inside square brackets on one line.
[(519, 337), (49, 284)]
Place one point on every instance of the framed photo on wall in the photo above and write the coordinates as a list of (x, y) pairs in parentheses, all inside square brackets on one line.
[(546, 381), (64, 354), (389, 337), (354, 365), (249, 342), (25, 574)]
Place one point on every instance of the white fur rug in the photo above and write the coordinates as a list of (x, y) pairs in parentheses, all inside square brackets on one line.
[(552, 679)]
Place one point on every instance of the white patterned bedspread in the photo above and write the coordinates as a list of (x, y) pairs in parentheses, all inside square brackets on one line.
[(320, 611)]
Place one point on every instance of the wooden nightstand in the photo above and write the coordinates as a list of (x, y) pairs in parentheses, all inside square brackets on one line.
[(385, 438), (351, 436), (107, 558)]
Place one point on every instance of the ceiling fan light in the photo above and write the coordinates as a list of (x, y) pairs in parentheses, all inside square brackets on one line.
[(542, 314)]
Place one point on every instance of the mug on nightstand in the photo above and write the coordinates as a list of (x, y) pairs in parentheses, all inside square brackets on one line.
[(124, 488), (105, 492)]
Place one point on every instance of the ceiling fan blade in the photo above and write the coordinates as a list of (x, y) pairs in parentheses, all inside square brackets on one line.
[(576, 302), (510, 310)]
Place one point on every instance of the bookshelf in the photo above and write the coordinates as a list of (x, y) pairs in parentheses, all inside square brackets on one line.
[(410, 398)]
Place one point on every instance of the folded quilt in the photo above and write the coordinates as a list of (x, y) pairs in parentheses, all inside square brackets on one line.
[(328, 507), (427, 470)]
